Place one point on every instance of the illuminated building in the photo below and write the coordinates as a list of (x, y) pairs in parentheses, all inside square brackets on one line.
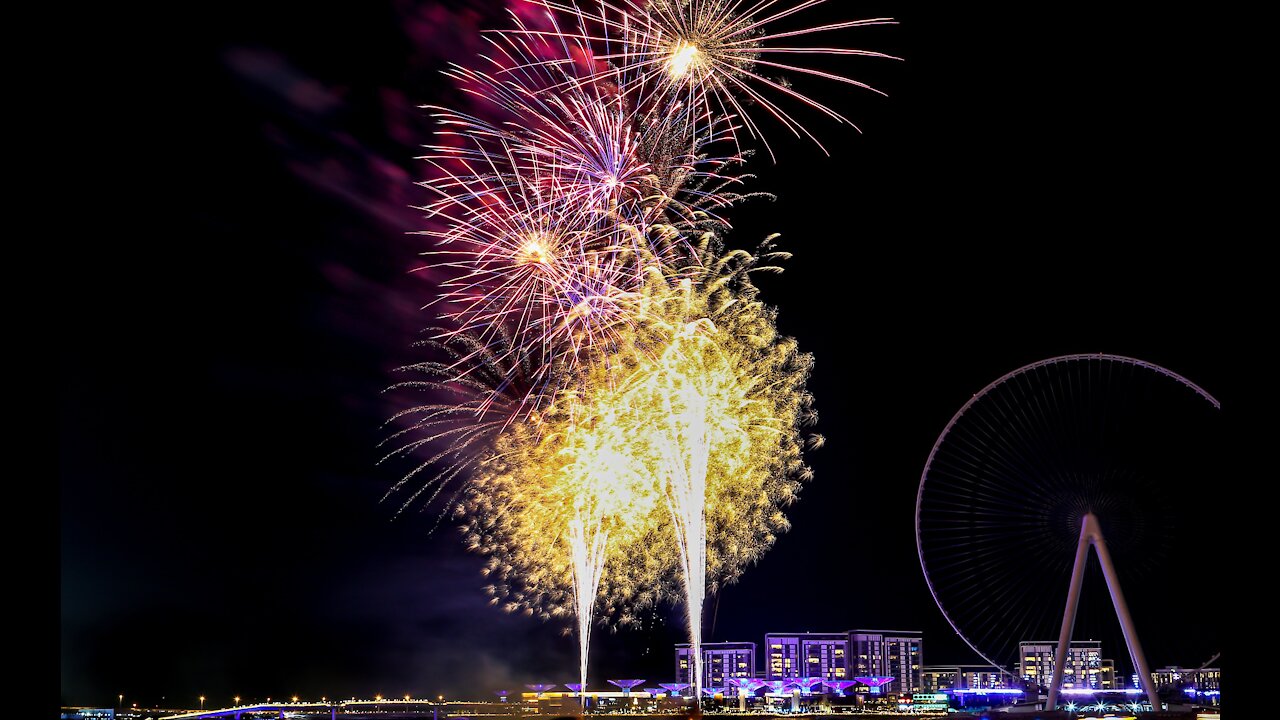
[(1107, 675), (1084, 663), (817, 657), (1200, 679), (937, 678), (889, 653), (721, 663), (805, 655)]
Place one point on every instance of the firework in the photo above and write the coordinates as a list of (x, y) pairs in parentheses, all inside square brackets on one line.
[(466, 413), (717, 400), (712, 56), (626, 416), (557, 501), (706, 400), (547, 218)]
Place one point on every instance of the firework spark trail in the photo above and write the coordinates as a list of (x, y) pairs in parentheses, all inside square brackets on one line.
[(607, 497), (544, 220), (587, 546), (705, 53), (556, 505), (714, 401), (684, 448), (479, 406)]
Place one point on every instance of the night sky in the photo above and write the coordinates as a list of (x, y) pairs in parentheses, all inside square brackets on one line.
[(241, 294)]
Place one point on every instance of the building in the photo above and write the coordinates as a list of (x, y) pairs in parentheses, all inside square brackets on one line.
[(1107, 675), (893, 657), (847, 656), (888, 653), (804, 655), (938, 678), (941, 678), (1084, 663), (1200, 679), (720, 662)]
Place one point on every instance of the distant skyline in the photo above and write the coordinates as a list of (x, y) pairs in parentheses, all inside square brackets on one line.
[(221, 530)]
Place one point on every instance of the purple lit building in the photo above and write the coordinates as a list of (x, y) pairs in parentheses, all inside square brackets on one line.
[(1203, 680), (844, 656), (941, 678), (889, 653), (1084, 663), (800, 655), (830, 657), (722, 662)]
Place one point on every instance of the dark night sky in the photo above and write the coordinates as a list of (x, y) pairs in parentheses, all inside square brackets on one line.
[(1015, 197)]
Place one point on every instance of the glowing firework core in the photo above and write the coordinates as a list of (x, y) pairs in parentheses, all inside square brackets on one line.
[(534, 250), (684, 57)]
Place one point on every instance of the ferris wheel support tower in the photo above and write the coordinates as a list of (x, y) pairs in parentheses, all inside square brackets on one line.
[(1091, 535)]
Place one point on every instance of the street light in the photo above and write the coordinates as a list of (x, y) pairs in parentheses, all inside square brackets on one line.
[(201, 703), (120, 697), (295, 698), (237, 699)]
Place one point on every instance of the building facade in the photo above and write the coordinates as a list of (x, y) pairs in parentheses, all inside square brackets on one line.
[(1107, 675), (940, 678), (847, 656), (888, 653), (1202, 679), (892, 655), (807, 655), (1083, 667), (721, 661)]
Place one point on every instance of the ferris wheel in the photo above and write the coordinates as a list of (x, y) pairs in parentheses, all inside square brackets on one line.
[(1051, 460)]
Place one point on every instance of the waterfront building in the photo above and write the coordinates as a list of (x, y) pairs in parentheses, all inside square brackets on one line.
[(941, 678), (1083, 667), (721, 663), (807, 655), (889, 653), (1201, 679)]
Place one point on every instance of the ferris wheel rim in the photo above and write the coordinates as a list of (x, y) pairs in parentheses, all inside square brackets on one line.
[(924, 474)]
